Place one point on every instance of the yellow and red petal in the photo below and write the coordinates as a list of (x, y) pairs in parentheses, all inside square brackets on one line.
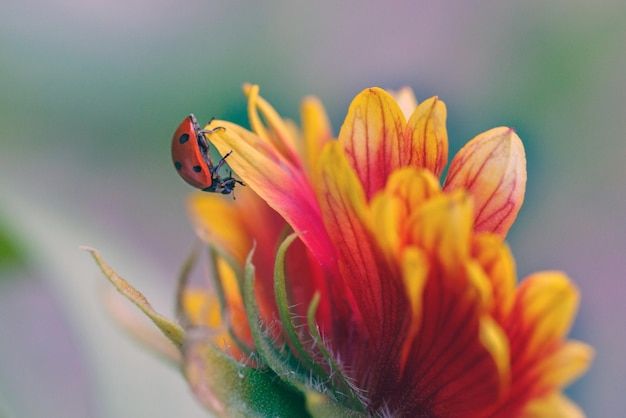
[(492, 167), (427, 135), (457, 357), (542, 362), (344, 208), (380, 311), (284, 187), (372, 136), (457, 363)]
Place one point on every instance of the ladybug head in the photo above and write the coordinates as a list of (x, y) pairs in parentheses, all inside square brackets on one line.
[(223, 186), (229, 184)]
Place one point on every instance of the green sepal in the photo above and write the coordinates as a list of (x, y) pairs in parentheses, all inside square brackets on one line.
[(181, 284), (279, 360), (348, 394), (231, 389), (282, 302), (169, 328)]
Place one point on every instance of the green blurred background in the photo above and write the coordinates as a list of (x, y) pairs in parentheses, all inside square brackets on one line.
[(91, 91)]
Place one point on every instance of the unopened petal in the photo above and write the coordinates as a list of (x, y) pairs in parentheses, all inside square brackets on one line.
[(372, 138), (492, 167), (426, 133), (405, 97)]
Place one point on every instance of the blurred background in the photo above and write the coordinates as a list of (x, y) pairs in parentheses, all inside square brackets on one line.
[(91, 92)]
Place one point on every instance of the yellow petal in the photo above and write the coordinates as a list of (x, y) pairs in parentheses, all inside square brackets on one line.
[(566, 364), (372, 138), (494, 339), (251, 155), (479, 282), (553, 405), (316, 131), (415, 269), (546, 304), (497, 261), (427, 134), (442, 228), (202, 308), (406, 190), (218, 223), (279, 135), (492, 167)]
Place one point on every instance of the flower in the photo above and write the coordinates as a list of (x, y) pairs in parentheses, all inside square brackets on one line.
[(348, 281)]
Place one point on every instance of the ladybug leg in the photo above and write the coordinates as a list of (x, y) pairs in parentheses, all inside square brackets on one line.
[(210, 131), (230, 176), (203, 143), (222, 162)]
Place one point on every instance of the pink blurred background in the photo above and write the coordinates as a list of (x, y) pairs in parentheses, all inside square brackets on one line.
[(92, 91)]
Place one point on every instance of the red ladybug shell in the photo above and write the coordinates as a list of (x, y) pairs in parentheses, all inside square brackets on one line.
[(192, 159), (191, 155)]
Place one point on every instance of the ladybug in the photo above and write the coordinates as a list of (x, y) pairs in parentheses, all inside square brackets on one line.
[(192, 159)]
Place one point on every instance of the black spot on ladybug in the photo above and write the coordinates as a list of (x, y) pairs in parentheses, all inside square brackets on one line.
[(197, 168), (183, 138), (178, 165)]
